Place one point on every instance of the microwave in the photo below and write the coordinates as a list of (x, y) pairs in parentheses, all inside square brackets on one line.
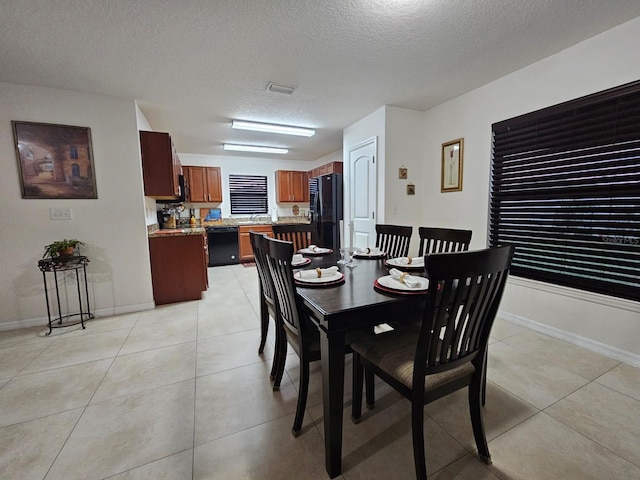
[(182, 197)]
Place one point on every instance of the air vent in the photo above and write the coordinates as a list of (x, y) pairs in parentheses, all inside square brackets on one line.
[(279, 88)]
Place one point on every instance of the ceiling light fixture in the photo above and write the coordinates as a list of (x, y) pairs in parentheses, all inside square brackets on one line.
[(271, 128), (253, 148)]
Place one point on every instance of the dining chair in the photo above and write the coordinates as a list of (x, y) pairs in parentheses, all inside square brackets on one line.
[(300, 234), (300, 332), (443, 240), (447, 351), (268, 308), (393, 239)]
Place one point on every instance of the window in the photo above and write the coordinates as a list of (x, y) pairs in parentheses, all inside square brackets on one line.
[(565, 190), (73, 152), (248, 194)]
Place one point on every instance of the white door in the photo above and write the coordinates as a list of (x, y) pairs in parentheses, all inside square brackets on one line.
[(362, 188)]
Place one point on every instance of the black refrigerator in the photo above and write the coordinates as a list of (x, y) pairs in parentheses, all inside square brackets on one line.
[(326, 209)]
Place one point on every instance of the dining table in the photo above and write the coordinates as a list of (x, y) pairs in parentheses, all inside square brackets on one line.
[(338, 310)]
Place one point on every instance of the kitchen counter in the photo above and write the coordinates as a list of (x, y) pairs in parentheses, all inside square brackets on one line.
[(174, 232)]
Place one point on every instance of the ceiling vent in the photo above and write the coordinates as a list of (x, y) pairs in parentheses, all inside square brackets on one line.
[(279, 88)]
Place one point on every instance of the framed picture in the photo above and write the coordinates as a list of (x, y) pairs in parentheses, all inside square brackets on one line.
[(54, 161), (451, 179)]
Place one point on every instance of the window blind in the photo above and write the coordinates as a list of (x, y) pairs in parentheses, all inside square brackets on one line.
[(565, 190), (248, 194)]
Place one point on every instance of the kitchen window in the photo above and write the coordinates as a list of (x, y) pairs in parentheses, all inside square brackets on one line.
[(248, 194), (565, 190)]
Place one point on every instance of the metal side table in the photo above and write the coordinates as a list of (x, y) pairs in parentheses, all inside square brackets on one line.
[(78, 264)]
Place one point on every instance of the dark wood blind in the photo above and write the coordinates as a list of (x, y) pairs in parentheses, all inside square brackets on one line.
[(565, 190), (248, 194)]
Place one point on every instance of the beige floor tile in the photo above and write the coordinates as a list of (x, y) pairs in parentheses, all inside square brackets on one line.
[(220, 320), (126, 432), (543, 448), (107, 324), (67, 351), (223, 352), (607, 417), (36, 395), (266, 451), (624, 379), (164, 313), (468, 467), (161, 334), (28, 449), (578, 360), (13, 359), (142, 371), (234, 400), (4, 381), (502, 329), (537, 381), (173, 467), (13, 337), (502, 412)]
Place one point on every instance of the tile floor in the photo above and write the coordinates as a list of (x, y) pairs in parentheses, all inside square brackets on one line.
[(181, 393)]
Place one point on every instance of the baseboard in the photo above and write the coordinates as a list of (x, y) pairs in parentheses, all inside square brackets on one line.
[(597, 347), (103, 312)]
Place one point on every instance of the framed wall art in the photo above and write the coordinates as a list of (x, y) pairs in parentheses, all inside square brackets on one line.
[(54, 161), (452, 162)]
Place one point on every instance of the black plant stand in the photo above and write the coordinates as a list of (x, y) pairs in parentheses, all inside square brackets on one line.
[(64, 264)]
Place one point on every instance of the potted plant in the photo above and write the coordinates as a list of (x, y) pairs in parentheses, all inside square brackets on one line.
[(61, 248)]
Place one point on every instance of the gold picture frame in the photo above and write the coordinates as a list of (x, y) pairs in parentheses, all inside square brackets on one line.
[(54, 161), (452, 166)]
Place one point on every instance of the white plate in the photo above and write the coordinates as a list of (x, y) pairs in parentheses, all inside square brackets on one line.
[(317, 251), (324, 279), (301, 262), (363, 254), (390, 282), (416, 262)]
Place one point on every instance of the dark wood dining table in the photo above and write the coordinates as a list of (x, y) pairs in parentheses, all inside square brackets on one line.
[(336, 311)]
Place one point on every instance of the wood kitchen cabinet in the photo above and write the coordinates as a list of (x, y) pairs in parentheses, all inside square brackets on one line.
[(244, 239), (332, 167), (160, 166), (292, 186), (178, 267), (204, 184)]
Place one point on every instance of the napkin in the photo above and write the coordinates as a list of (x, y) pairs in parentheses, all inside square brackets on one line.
[(313, 248), (317, 273), (297, 258), (405, 278), (368, 251), (406, 260)]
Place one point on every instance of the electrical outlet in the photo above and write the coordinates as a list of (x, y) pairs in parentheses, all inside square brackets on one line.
[(60, 214)]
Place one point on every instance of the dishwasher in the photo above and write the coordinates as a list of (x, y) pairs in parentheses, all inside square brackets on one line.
[(223, 246)]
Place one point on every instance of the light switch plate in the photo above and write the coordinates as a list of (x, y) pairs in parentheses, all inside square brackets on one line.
[(60, 213)]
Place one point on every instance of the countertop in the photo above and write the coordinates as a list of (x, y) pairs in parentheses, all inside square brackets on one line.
[(173, 232), (200, 229)]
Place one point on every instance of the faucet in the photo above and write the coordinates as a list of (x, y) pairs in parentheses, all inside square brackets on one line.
[(253, 217)]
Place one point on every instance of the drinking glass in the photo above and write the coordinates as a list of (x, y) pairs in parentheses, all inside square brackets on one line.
[(342, 260)]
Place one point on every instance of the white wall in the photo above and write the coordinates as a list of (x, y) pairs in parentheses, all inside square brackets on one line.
[(112, 225), (604, 61), (248, 166)]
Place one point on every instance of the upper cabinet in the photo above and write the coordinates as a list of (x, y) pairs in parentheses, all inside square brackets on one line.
[(333, 167), (292, 186), (204, 184), (160, 166)]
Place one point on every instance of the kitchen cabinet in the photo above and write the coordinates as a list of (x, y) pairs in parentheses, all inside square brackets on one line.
[(204, 184), (178, 267), (160, 166), (292, 186), (331, 167), (244, 239)]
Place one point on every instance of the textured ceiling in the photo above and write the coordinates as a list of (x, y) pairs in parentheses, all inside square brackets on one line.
[(193, 65)]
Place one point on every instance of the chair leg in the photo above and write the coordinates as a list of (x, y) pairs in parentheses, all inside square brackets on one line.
[(356, 402), (370, 389), (475, 411), (417, 431), (264, 326), (303, 390), (280, 358)]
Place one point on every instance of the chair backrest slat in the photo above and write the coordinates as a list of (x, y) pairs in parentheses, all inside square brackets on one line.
[(258, 244), (393, 239), (301, 235), (443, 240), (461, 308), (279, 255)]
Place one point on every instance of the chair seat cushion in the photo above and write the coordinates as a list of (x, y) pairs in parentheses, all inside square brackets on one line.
[(394, 352)]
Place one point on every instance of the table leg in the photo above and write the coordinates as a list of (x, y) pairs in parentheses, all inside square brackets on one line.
[(332, 360)]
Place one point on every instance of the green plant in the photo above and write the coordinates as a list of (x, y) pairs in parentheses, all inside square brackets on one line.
[(61, 248)]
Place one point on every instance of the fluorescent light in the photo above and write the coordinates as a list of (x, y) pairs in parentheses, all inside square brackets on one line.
[(268, 127), (253, 148)]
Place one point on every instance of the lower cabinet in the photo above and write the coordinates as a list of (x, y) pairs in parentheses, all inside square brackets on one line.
[(178, 268), (244, 239)]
